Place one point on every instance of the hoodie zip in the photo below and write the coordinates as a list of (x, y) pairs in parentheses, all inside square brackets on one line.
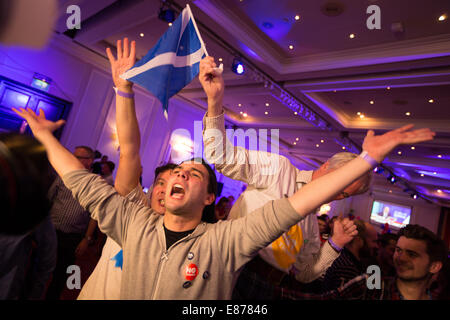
[(163, 259)]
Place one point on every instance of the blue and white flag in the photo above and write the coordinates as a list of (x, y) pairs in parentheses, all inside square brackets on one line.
[(173, 62)]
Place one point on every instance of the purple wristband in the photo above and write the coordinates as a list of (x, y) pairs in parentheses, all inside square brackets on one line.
[(124, 94), (369, 159), (334, 245)]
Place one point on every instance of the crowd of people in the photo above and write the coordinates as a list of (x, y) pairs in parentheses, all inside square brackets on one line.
[(180, 242)]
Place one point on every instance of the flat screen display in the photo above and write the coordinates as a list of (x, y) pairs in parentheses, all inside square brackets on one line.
[(397, 216)]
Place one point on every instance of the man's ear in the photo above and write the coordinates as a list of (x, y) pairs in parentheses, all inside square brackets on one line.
[(435, 267), (210, 199)]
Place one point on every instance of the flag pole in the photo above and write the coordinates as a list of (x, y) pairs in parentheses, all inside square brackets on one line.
[(196, 29), (218, 70)]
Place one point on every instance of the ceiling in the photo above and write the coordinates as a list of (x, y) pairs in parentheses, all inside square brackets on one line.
[(330, 88)]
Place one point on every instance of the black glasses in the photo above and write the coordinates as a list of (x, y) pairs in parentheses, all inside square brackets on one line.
[(80, 157)]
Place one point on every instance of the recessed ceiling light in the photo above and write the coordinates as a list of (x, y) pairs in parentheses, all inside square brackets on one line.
[(431, 101), (239, 105), (413, 148), (322, 141), (291, 47), (266, 112), (295, 112), (170, 24), (317, 145), (439, 190), (241, 112), (408, 113), (343, 148), (361, 116), (245, 114), (295, 142), (389, 88), (422, 175), (435, 172), (439, 155), (297, 17), (141, 35), (358, 113), (267, 104), (371, 102), (220, 59), (442, 17), (297, 139), (399, 152), (352, 35)]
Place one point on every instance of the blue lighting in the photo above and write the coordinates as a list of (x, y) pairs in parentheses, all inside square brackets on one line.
[(237, 66), (378, 170), (16, 99), (167, 15), (392, 179)]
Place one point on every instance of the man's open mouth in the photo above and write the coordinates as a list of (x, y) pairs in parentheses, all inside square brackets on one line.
[(177, 191)]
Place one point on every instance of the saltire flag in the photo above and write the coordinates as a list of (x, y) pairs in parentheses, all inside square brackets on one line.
[(173, 62)]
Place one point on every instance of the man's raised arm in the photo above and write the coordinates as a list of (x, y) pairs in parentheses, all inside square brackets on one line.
[(92, 192), (62, 160), (128, 134), (253, 167), (326, 187)]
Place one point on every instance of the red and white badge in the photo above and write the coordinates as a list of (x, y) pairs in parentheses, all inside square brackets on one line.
[(190, 271)]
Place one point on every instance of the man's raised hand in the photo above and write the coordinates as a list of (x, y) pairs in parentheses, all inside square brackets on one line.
[(344, 230), (126, 58), (379, 147), (38, 123), (212, 81)]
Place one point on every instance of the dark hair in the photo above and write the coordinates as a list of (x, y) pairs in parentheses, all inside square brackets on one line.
[(25, 177), (212, 179), (97, 154), (222, 201), (111, 165), (385, 238), (436, 248), (323, 217), (362, 230), (163, 168), (208, 214)]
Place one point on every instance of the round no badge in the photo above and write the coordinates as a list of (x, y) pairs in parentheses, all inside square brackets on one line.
[(190, 271)]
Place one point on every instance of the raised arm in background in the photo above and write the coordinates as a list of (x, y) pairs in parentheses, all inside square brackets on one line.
[(257, 168), (325, 188), (128, 134), (62, 160)]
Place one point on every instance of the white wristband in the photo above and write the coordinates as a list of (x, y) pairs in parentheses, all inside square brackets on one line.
[(369, 159)]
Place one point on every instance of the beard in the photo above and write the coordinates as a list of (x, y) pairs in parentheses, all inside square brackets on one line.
[(426, 276)]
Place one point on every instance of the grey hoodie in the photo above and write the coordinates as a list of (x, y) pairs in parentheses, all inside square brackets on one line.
[(204, 265)]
